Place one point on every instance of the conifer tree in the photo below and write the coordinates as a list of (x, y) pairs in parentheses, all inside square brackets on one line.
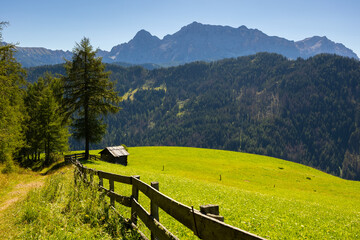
[(88, 94), (45, 128), (11, 102)]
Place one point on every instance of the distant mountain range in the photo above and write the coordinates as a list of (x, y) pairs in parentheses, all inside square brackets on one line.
[(194, 42)]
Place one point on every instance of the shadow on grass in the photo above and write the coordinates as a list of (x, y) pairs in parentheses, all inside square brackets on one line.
[(83, 161), (62, 164), (56, 167)]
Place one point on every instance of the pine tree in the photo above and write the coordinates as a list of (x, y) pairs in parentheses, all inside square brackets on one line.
[(88, 94)]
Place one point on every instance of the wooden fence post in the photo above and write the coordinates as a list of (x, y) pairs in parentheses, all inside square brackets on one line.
[(101, 184), (112, 189), (84, 174), (212, 211), (154, 209), (91, 177), (135, 195), (75, 175)]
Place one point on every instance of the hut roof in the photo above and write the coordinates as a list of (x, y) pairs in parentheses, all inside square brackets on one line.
[(116, 151)]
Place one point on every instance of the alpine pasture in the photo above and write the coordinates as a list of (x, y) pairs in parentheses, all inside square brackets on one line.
[(269, 197)]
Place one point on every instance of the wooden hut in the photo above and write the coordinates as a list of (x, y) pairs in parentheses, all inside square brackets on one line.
[(116, 154)]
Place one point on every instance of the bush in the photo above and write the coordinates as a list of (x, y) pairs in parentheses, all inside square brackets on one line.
[(9, 165), (126, 148)]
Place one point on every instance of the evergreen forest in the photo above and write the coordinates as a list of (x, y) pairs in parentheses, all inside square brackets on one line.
[(306, 111)]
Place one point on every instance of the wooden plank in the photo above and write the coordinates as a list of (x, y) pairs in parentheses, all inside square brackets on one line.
[(218, 217), (134, 196), (154, 209), (112, 188), (101, 183), (212, 211), (83, 170), (91, 177), (137, 229), (157, 228), (94, 157), (210, 208), (142, 236), (205, 227), (177, 210), (114, 177), (123, 200)]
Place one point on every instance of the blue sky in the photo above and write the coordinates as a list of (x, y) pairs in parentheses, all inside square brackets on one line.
[(59, 24)]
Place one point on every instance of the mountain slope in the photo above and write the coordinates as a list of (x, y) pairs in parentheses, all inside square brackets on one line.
[(306, 111), (30, 57), (195, 42)]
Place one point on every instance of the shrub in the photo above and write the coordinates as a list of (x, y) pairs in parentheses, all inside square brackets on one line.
[(126, 148), (9, 165)]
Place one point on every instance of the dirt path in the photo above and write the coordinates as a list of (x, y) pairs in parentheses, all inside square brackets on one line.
[(20, 191), (17, 193)]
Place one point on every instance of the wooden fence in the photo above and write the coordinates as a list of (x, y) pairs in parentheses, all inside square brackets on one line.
[(80, 156), (204, 224)]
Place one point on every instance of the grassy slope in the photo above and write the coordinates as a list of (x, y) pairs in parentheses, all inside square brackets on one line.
[(50, 207), (270, 197), (13, 189)]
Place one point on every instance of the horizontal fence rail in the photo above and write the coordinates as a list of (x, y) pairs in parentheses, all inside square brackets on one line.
[(204, 226)]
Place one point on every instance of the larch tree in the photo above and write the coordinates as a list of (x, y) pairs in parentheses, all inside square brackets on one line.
[(45, 130), (88, 94), (12, 79)]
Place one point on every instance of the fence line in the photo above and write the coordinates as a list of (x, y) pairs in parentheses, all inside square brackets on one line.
[(204, 226)]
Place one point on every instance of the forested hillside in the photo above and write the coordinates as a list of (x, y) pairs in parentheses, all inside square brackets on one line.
[(306, 111)]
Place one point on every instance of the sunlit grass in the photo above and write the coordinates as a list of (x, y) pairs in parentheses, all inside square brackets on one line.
[(13, 188), (9, 180), (269, 197), (64, 210)]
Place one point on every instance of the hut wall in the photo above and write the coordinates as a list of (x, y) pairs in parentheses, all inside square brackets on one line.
[(121, 160), (109, 158)]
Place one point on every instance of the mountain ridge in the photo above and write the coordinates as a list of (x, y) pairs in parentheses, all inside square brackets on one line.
[(195, 42)]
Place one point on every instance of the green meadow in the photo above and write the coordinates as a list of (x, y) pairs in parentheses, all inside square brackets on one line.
[(272, 198)]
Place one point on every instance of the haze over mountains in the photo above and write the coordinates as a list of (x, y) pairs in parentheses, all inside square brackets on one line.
[(194, 42)]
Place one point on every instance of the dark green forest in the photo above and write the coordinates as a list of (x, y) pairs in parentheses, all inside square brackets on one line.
[(306, 111)]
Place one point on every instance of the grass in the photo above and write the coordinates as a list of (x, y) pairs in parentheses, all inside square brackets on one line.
[(62, 210), (269, 197), (58, 210), (9, 180), (13, 188)]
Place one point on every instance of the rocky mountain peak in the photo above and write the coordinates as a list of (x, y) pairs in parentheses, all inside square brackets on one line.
[(316, 45), (143, 36), (198, 41)]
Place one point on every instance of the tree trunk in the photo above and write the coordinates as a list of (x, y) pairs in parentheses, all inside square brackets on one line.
[(87, 147), (86, 108), (87, 132)]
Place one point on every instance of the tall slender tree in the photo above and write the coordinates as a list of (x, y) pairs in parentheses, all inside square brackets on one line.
[(11, 102), (88, 94)]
